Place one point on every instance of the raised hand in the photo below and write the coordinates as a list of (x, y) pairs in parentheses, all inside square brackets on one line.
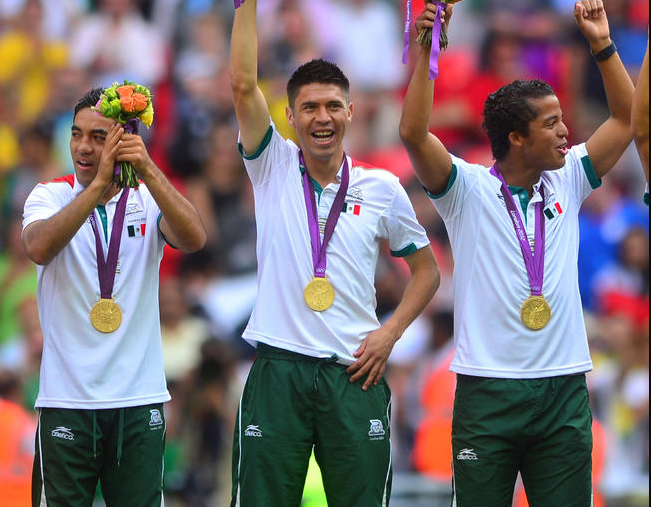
[(591, 19)]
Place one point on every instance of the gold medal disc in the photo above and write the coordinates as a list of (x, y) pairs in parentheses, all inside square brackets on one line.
[(535, 312), (319, 294), (106, 316)]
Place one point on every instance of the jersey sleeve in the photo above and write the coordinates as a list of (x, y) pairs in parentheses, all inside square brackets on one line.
[(42, 203), (579, 173), (450, 202), (273, 154), (400, 226)]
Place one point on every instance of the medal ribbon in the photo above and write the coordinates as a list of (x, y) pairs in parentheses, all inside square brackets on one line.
[(318, 248), (533, 261), (106, 267), (436, 35)]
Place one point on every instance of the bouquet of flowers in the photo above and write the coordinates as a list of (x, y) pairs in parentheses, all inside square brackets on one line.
[(425, 37), (127, 103)]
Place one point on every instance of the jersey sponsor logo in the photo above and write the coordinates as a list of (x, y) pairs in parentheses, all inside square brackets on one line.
[(467, 455), (136, 230), (133, 207), (253, 430), (553, 211), (63, 432), (377, 430), (155, 418), (355, 194)]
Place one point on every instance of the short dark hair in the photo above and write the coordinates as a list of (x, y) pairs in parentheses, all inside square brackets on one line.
[(509, 110), (89, 99), (316, 71)]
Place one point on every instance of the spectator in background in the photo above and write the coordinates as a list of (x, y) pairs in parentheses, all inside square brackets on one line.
[(117, 43)]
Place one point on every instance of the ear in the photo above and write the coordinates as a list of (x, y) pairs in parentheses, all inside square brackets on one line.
[(516, 139), (350, 111), (290, 117)]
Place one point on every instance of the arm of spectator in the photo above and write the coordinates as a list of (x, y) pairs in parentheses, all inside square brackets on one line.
[(608, 143), (250, 105), (640, 113), (373, 353), (430, 158)]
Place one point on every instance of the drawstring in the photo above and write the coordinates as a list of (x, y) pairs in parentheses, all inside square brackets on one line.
[(330, 360), (120, 433), (94, 434)]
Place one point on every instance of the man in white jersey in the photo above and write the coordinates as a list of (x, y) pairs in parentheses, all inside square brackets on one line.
[(521, 350), (98, 250), (317, 382)]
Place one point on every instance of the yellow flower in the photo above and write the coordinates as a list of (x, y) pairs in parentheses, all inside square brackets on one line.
[(147, 116)]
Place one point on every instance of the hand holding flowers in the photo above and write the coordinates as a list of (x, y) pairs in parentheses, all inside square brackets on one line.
[(127, 104), (425, 36)]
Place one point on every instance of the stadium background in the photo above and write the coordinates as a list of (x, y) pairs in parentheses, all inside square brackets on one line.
[(52, 51)]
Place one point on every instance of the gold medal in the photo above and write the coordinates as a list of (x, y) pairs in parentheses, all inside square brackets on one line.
[(535, 312), (319, 294), (106, 316)]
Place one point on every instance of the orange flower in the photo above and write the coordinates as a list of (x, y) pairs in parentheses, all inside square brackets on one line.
[(127, 104), (139, 102), (125, 90)]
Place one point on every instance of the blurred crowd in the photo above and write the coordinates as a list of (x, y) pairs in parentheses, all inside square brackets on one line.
[(53, 51)]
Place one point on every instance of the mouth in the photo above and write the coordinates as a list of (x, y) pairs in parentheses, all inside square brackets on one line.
[(84, 165), (323, 136), (563, 149)]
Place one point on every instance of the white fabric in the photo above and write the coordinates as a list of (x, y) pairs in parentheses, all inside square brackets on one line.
[(281, 317), (81, 367), (490, 278)]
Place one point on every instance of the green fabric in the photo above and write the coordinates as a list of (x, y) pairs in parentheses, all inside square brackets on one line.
[(591, 174), (72, 469), (451, 179), (101, 209), (408, 250), (12, 295), (523, 197), (263, 144), (540, 427), (319, 408)]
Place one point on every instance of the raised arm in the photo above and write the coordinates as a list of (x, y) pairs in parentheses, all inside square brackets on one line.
[(608, 143), (180, 222), (429, 157), (640, 113), (44, 239), (250, 105)]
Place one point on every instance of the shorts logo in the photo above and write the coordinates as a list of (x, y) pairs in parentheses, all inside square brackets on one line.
[(377, 430), (63, 432), (155, 418), (467, 455), (253, 431)]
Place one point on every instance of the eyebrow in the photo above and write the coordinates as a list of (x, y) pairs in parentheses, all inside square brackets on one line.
[(93, 131)]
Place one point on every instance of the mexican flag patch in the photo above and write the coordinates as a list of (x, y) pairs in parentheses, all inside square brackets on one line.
[(355, 209), (136, 230), (554, 211)]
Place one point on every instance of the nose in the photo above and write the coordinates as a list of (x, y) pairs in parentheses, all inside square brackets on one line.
[(563, 132), (322, 114), (84, 145)]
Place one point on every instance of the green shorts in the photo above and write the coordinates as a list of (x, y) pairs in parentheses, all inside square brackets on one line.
[(122, 448), (294, 403), (538, 427)]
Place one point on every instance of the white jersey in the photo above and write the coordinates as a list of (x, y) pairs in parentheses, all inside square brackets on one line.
[(376, 207), (490, 278), (82, 367)]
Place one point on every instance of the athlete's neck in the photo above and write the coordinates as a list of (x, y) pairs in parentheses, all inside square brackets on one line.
[(324, 171), (109, 193), (517, 173)]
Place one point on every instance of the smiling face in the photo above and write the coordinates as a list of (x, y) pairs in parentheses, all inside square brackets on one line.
[(320, 115), (546, 145), (87, 140)]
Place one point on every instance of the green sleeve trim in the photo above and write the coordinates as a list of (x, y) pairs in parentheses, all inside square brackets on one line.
[(646, 198), (263, 144), (451, 180), (408, 250), (595, 182), (160, 216)]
